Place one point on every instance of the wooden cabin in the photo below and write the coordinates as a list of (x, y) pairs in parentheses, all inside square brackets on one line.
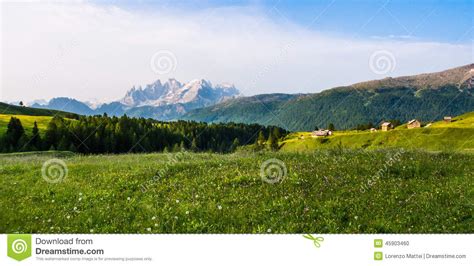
[(413, 124), (321, 133), (386, 126)]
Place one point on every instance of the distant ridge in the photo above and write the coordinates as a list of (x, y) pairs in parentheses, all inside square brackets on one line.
[(454, 76), (159, 100), (427, 97), (23, 110)]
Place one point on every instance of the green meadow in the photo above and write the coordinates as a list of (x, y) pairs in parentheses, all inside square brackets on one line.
[(400, 181), (439, 136), (325, 191)]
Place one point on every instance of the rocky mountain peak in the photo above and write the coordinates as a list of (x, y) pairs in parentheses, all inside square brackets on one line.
[(198, 91)]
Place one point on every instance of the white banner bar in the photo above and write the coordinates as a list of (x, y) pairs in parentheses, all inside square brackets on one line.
[(238, 250)]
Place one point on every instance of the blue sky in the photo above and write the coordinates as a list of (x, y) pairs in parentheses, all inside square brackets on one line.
[(100, 49), (430, 20)]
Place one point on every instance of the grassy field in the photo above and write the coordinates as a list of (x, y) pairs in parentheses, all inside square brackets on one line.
[(326, 191), (27, 122), (440, 136)]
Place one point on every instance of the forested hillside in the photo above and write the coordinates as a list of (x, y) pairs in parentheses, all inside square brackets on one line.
[(103, 134), (425, 97)]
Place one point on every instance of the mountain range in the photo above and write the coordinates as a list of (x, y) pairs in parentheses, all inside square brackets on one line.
[(162, 101), (426, 97)]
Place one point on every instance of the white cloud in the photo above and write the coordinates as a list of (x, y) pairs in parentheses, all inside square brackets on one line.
[(88, 51)]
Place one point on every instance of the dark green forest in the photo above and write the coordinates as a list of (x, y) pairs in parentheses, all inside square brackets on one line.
[(103, 134), (345, 107)]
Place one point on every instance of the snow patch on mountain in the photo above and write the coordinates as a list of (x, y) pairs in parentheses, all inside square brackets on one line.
[(162, 101), (199, 92)]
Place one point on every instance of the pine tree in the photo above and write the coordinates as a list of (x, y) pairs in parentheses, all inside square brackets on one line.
[(63, 144), (272, 142), (36, 138), (14, 132), (52, 134), (259, 142), (72, 148), (223, 147), (261, 138), (3, 144), (276, 133), (235, 144), (194, 146), (23, 143), (182, 146), (331, 127)]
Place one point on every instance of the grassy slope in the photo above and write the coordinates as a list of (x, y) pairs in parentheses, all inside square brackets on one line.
[(18, 110), (418, 192), (27, 121), (458, 135), (462, 121), (28, 116)]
